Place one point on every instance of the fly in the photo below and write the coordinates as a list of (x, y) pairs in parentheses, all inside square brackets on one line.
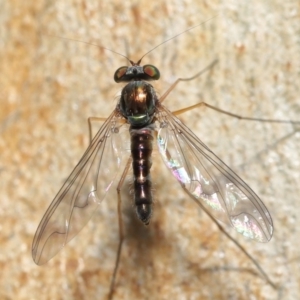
[(141, 118)]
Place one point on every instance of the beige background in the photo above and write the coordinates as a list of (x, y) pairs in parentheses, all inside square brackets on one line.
[(50, 86)]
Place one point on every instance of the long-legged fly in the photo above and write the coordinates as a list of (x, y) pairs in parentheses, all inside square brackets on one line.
[(141, 122)]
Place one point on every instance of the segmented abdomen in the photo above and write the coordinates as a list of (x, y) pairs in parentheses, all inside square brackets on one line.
[(141, 150)]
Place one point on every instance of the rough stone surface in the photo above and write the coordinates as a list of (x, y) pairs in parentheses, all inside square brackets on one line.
[(49, 86)]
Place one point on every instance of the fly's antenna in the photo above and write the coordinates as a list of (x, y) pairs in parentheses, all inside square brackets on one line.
[(87, 43), (175, 36), (131, 62)]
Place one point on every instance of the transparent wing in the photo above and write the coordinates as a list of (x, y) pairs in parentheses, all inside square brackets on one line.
[(210, 181), (82, 192)]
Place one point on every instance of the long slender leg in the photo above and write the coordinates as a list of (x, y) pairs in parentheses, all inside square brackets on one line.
[(121, 233), (98, 119), (183, 110), (169, 90), (251, 258), (94, 119)]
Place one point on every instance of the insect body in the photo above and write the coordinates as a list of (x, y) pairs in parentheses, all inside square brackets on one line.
[(137, 105)]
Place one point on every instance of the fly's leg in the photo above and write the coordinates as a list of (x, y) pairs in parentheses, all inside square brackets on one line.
[(121, 233), (238, 245), (204, 104), (94, 119), (220, 227), (169, 90), (219, 110)]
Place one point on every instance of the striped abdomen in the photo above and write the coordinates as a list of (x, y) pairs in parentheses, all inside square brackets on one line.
[(141, 150)]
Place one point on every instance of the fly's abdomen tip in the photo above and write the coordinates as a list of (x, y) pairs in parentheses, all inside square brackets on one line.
[(144, 212)]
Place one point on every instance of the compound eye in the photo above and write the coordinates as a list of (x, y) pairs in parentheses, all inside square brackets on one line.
[(119, 74), (151, 71)]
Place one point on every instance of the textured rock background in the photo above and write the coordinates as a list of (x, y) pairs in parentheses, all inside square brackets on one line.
[(49, 86)]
